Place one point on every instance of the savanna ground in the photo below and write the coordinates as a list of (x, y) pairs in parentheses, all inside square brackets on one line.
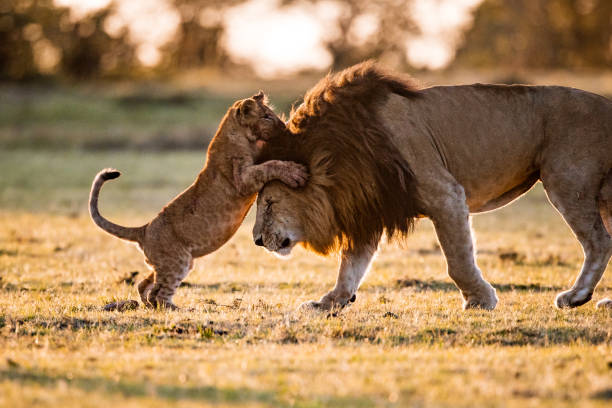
[(237, 340)]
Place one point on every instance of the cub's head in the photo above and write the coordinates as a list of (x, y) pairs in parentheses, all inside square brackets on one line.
[(254, 122)]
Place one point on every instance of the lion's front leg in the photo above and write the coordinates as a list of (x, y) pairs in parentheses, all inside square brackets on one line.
[(451, 220), (353, 267), (250, 178)]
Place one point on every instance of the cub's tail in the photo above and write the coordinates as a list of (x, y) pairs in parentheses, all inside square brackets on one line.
[(127, 233)]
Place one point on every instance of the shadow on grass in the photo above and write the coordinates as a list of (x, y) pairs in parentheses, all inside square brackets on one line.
[(435, 285), (515, 336), (153, 327), (205, 394), (142, 389)]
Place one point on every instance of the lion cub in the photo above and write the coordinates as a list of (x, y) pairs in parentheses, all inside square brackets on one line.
[(206, 215)]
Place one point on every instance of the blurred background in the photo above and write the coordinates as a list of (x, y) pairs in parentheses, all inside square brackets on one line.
[(87, 76)]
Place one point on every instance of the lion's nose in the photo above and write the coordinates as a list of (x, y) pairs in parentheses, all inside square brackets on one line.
[(286, 242), (259, 241)]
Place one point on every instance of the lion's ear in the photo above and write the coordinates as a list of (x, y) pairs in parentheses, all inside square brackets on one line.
[(247, 110)]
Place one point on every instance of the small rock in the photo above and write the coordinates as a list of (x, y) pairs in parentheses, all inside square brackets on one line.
[(12, 363), (512, 256), (236, 303), (122, 306)]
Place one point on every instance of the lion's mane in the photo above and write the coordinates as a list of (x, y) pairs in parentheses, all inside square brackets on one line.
[(360, 185)]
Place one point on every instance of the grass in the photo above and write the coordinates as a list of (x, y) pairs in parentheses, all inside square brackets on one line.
[(237, 341)]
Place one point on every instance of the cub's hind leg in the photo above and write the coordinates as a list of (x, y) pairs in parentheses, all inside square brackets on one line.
[(145, 286), (168, 275), (576, 198)]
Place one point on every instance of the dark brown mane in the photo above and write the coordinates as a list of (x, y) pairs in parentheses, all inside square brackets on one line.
[(356, 171)]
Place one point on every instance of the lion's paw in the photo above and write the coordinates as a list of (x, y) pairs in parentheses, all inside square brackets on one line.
[(326, 304), (604, 304), (314, 306), (486, 299), (573, 298)]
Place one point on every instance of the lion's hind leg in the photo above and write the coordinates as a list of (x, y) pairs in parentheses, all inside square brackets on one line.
[(577, 201)]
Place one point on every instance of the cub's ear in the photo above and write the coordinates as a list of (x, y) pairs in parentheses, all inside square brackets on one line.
[(247, 110), (260, 97)]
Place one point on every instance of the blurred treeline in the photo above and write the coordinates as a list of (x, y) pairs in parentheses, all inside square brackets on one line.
[(39, 39), (540, 34)]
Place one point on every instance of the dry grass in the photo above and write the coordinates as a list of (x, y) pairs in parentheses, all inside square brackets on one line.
[(238, 342)]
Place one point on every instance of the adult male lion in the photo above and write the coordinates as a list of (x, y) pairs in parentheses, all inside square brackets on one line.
[(382, 152)]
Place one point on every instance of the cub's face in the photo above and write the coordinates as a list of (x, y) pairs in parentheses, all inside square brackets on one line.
[(258, 121), (278, 227)]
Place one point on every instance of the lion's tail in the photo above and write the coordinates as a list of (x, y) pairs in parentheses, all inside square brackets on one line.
[(605, 202), (127, 233)]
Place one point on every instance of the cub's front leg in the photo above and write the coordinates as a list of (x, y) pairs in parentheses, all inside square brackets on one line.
[(250, 178), (353, 267)]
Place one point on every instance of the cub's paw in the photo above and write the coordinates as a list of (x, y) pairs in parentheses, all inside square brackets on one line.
[(295, 175), (161, 305), (573, 298)]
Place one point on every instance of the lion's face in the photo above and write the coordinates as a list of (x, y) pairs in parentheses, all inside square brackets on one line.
[(277, 226)]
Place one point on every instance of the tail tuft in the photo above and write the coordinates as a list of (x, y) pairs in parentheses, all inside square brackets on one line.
[(109, 174)]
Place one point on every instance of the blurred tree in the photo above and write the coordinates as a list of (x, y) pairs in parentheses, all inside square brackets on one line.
[(19, 33), (198, 39), (516, 34), (89, 51), (37, 38), (370, 29)]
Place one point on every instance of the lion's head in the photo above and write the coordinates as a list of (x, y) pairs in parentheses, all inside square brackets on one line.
[(359, 186), (287, 217)]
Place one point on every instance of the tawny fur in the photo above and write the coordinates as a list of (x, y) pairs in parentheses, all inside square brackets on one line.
[(382, 152), (206, 215)]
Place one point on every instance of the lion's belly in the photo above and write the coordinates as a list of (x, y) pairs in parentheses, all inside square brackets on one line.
[(489, 201)]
